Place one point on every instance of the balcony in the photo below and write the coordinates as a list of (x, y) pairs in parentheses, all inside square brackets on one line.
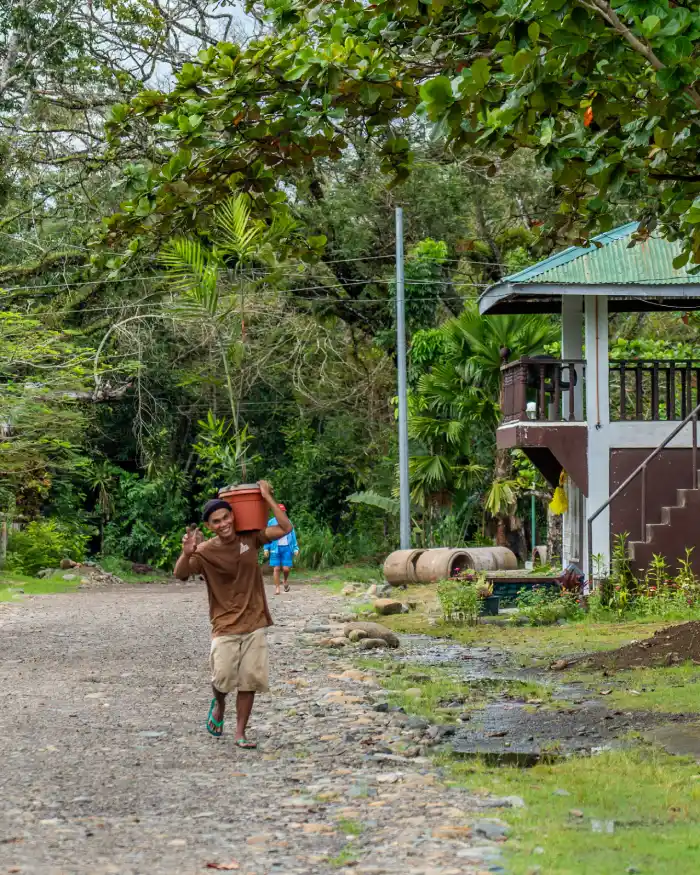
[(548, 390), (540, 390)]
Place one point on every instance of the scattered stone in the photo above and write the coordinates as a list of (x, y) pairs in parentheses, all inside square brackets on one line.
[(413, 692), (559, 792), (45, 572), (452, 832), (387, 606), (67, 563), (70, 577), (381, 707), (349, 589), (334, 642), (374, 630), (502, 802), (493, 830), (357, 635), (372, 644), (316, 628)]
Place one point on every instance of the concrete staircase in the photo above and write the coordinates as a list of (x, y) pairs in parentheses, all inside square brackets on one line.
[(679, 529)]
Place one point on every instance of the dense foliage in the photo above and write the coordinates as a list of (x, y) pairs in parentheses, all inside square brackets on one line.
[(197, 251)]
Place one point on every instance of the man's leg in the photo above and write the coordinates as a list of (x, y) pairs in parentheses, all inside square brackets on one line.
[(244, 706), (252, 678), (276, 576), (220, 706), (286, 571)]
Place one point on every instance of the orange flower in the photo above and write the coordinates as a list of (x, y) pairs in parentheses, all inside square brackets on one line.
[(588, 116)]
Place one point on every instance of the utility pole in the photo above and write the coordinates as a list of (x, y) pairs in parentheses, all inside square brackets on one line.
[(404, 494)]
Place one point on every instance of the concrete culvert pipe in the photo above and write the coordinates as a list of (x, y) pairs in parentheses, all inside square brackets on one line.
[(441, 563), (400, 566), (492, 559), (445, 562)]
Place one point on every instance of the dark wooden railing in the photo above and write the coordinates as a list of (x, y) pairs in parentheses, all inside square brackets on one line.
[(543, 390), (653, 389)]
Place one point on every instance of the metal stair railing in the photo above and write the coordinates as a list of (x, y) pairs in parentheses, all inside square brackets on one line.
[(692, 417)]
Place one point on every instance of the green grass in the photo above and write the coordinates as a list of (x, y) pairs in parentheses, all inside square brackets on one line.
[(673, 690), (532, 644), (348, 856), (350, 827), (652, 798), (10, 583)]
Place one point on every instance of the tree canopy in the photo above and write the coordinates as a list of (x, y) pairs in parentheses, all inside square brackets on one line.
[(605, 95)]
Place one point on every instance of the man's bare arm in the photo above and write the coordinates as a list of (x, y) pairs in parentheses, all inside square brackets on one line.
[(283, 527)]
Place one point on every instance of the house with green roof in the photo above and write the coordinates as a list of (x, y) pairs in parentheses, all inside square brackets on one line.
[(623, 432)]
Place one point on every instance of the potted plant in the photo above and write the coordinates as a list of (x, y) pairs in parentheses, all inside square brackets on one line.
[(488, 602)]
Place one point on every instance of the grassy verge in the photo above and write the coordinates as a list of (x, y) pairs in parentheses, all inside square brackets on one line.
[(634, 810), (14, 586), (532, 644), (673, 690), (621, 811), (334, 579)]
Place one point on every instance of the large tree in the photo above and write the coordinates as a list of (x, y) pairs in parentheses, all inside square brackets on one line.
[(605, 94)]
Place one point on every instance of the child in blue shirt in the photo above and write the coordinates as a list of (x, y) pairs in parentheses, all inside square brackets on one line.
[(282, 553)]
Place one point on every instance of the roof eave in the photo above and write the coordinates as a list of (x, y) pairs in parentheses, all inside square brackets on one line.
[(505, 291)]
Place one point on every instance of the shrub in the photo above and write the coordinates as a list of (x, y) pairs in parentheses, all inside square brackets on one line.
[(44, 543), (543, 606), (459, 601)]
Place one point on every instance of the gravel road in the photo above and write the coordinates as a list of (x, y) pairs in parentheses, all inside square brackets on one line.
[(106, 766)]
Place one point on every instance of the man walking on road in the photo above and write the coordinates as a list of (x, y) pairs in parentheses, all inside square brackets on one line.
[(237, 606)]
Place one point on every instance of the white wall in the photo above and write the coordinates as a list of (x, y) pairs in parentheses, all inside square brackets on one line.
[(648, 435)]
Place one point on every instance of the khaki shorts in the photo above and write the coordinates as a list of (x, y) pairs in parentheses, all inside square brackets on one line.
[(240, 662)]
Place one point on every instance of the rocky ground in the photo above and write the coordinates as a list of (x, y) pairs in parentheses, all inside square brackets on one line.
[(107, 768)]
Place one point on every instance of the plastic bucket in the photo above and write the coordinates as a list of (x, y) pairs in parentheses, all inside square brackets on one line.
[(250, 510)]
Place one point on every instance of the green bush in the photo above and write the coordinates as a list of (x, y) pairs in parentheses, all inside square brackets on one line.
[(459, 601), (150, 516), (543, 606), (44, 543)]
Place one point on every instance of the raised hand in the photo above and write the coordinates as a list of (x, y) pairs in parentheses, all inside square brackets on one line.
[(191, 539), (265, 489)]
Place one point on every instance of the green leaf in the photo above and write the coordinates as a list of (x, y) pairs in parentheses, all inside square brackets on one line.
[(437, 92), (481, 71), (533, 31), (650, 25)]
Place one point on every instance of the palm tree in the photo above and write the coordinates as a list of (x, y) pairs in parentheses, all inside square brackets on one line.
[(455, 412), (196, 271)]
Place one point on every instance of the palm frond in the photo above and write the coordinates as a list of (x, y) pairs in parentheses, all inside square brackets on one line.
[(374, 499)]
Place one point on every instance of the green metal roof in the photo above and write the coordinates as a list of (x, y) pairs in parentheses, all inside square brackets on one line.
[(609, 259), (633, 278)]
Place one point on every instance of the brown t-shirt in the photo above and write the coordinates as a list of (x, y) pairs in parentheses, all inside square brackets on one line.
[(237, 603)]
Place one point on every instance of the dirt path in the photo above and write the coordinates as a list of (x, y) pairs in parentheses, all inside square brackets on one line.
[(106, 767)]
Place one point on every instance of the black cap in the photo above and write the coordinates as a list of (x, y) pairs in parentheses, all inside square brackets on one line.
[(212, 505)]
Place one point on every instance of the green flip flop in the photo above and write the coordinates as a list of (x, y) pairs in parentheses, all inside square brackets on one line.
[(244, 744), (214, 727)]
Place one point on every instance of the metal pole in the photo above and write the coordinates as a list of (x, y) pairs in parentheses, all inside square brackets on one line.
[(533, 524), (405, 500)]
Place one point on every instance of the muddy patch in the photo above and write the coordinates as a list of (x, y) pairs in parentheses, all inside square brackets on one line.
[(670, 646), (516, 731), (510, 728)]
